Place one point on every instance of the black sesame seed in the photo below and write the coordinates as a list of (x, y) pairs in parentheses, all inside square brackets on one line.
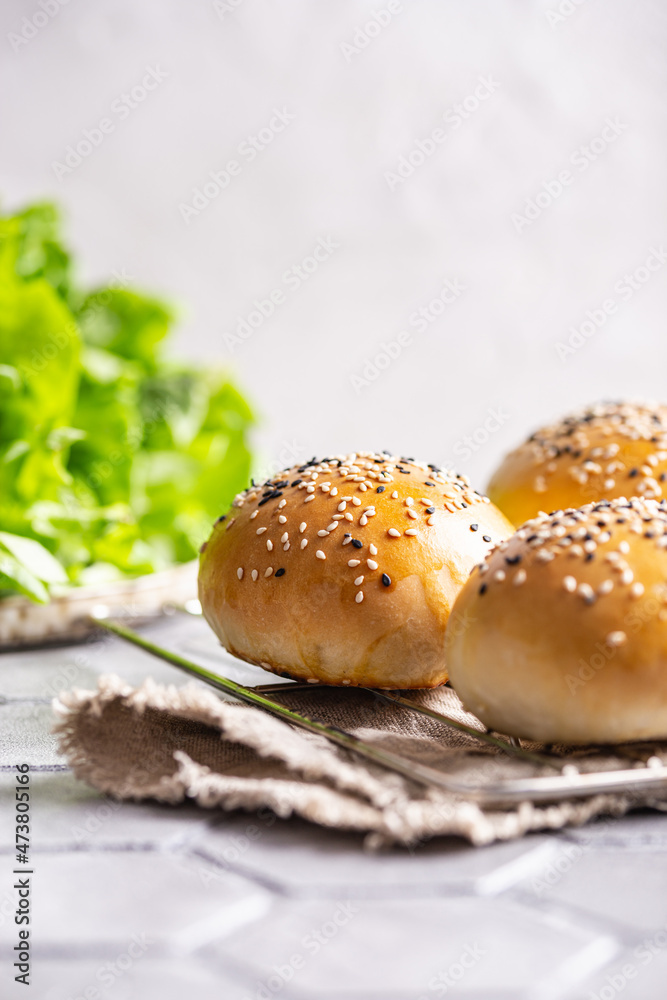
[(512, 560), (279, 572), (589, 556), (482, 589), (386, 580), (406, 472), (474, 527), (428, 482), (380, 489), (633, 472), (283, 482), (221, 518), (357, 544), (296, 482), (663, 476), (271, 496), (430, 510), (486, 538)]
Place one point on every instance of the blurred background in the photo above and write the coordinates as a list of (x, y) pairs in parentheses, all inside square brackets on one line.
[(425, 226)]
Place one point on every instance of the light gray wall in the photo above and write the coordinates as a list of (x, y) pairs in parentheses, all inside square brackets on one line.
[(361, 98)]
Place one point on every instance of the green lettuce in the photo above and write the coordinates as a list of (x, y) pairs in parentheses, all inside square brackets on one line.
[(114, 458)]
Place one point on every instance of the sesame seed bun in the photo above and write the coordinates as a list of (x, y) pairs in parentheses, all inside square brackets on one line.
[(562, 632), (609, 450), (344, 570)]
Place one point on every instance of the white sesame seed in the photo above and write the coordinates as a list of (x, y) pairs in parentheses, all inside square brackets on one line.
[(313, 680), (320, 554), (282, 519), (586, 591), (499, 575), (616, 638), (359, 580), (371, 564), (322, 533), (348, 516), (346, 541), (282, 504), (310, 488), (425, 501), (394, 533), (254, 515), (637, 589), (286, 547), (268, 571), (353, 562), (342, 505), (360, 596), (394, 495), (431, 519), (310, 496), (570, 584), (239, 572), (519, 577), (363, 520), (624, 547), (254, 574), (334, 492), (627, 576), (412, 513), (284, 537), (345, 682), (356, 501), (410, 531), (332, 526), (409, 501), (260, 531), (304, 542), (606, 587), (269, 544)]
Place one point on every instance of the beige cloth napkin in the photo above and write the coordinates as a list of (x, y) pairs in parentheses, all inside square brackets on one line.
[(175, 743)]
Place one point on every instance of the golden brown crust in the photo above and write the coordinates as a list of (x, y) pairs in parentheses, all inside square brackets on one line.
[(606, 451), (562, 632), (344, 571)]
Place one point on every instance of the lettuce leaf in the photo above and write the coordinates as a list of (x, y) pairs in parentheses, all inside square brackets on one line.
[(114, 459)]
